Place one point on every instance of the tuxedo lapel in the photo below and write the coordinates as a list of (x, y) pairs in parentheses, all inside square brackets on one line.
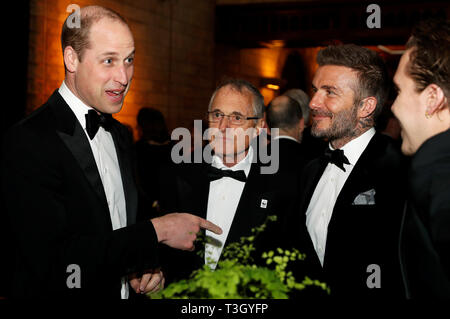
[(254, 205), (310, 179), (185, 188), (300, 236), (243, 217), (203, 189), (73, 136), (358, 181)]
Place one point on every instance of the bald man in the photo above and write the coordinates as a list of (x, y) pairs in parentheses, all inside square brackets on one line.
[(68, 179), (285, 114)]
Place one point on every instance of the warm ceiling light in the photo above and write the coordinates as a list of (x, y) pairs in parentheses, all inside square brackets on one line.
[(273, 44), (273, 87)]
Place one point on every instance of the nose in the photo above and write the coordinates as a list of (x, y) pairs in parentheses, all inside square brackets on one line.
[(224, 123), (394, 107), (121, 75), (316, 101)]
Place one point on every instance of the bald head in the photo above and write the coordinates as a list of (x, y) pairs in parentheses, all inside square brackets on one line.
[(78, 37), (303, 100), (286, 114)]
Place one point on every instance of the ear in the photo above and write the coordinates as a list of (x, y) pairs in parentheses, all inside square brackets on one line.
[(261, 126), (434, 99), (367, 106), (70, 59), (301, 124), (261, 123)]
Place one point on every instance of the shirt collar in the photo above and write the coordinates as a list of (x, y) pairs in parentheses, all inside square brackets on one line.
[(354, 148), (244, 164), (76, 105), (287, 137)]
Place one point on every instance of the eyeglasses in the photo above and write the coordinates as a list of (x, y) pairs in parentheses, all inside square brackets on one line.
[(234, 119)]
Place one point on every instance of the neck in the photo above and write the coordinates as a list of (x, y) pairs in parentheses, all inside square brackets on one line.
[(292, 133), (71, 86), (340, 142), (233, 159)]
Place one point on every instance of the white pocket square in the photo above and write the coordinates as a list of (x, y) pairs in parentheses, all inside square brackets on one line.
[(365, 198)]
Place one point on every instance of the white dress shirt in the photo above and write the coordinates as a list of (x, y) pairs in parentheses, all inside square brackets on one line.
[(286, 137), (105, 156), (324, 198), (223, 200)]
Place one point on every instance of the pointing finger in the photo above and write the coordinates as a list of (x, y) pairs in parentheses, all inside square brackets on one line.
[(206, 224)]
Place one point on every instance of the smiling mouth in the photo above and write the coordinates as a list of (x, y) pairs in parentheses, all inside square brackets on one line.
[(318, 118), (115, 95), (321, 116)]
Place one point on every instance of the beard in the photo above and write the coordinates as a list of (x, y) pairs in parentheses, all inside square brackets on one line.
[(343, 124)]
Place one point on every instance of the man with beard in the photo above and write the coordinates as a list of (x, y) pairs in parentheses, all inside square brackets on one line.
[(348, 215)]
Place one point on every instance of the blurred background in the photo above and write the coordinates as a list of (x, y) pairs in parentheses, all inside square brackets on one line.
[(184, 47)]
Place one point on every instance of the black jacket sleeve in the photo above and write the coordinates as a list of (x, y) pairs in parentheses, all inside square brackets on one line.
[(50, 211)]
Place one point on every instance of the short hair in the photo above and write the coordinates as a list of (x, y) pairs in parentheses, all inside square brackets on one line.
[(284, 115), (78, 37), (371, 71), (430, 55), (303, 100), (241, 85)]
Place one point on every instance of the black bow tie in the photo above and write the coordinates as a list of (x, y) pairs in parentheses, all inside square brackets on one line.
[(336, 157), (95, 120), (215, 173)]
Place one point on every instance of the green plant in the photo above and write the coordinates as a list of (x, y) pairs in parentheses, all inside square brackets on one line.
[(238, 277)]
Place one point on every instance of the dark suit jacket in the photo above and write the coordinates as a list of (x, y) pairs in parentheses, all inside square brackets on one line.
[(292, 161), (59, 215), (313, 146), (187, 190), (425, 238), (358, 235)]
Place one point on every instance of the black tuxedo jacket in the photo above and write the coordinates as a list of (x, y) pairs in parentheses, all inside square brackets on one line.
[(186, 189), (292, 161), (58, 210), (425, 237), (358, 235)]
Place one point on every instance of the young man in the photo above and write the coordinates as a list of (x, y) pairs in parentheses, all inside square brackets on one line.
[(422, 107), (68, 179)]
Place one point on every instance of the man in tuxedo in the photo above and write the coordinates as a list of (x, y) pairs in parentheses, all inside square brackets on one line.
[(68, 183), (285, 114), (422, 107), (348, 217), (231, 189)]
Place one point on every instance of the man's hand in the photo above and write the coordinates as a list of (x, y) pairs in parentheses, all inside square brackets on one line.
[(150, 281), (179, 230)]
